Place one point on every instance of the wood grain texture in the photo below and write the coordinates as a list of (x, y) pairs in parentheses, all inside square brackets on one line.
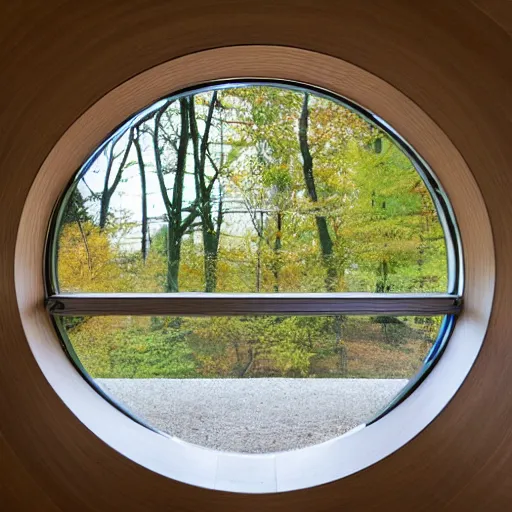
[(371, 444), (500, 12), (231, 304), (59, 58)]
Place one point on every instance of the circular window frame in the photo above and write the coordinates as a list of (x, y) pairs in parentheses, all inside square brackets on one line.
[(309, 466), (445, 215)]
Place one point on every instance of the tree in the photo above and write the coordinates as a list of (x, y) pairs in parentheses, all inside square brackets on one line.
[(324, 236), (177, 224), (303, 196), (397, 241), (144, 196), (211, 220), (109, 189), (263, 139), (76, 209)]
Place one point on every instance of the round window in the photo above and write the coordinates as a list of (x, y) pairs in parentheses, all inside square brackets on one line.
[(254, 267)]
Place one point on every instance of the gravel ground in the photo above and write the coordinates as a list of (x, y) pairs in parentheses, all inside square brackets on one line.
[(254, 415)]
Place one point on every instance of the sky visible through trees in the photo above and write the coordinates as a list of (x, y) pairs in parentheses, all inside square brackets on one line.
[(251, 189)]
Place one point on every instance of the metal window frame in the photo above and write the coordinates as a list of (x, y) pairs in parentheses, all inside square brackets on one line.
[(415, 304), (237, 304)]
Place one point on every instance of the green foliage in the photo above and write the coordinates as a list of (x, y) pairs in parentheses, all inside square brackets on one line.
[(380, 218), (76, 209), (123, 348)]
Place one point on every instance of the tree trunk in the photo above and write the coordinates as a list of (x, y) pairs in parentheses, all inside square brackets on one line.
[(104, 206), (210, 245), (327, 254), (173, 257), (105, 196), (324, 237), (204, 190), (108, 191), (341, 347), (258, 255), (142, 172), (86, 246), (176, 226), (326, 243), (382, 283), (248, 366), (277, 252)]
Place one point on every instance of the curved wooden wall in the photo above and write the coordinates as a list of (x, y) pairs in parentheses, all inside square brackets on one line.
[(453, 58)]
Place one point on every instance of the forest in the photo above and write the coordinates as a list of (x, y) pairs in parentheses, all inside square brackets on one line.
[(250, 189)]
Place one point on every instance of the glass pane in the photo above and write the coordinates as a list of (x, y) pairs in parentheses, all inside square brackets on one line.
[(256, 188), (253, 384)]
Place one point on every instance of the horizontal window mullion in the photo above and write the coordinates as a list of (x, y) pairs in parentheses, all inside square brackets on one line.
[(218, 304)]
